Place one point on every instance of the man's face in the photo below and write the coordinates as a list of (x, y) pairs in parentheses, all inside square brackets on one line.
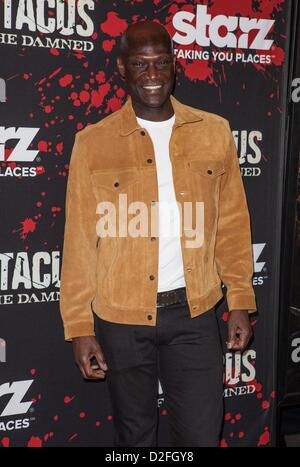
[(149, 74)]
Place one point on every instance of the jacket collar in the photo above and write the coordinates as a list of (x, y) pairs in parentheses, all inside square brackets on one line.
[(183, 114)]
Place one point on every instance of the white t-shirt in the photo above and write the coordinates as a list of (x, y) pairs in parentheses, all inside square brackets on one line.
[(170, 264)]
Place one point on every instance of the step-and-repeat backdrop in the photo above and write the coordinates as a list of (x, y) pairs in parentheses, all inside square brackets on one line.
[(58, 74)]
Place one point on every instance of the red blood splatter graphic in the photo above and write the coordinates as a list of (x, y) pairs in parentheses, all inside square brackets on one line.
[(68, 399), (227, 416), (223, 443), (273, 394), (82, 414), (120, 92), (258, 387), (100, 77), (28, 226), (73, 437), (113, 104), (108, 45), (55, 418), (43, 146), (241, 434), (35, 442), (109, 418), (33, 371), (265, 404), (98, 423), (7, 153), (54, 52), (278, 55), (98, 96), (164, 412), (48, 109), (84, 96), (40, 169), (48, 435), (113, 26), (65, 80), (55, 72), (60, 147), (198, 70), (225, 316), (264, 439), (245, 8), (5, 442), (238, 416)]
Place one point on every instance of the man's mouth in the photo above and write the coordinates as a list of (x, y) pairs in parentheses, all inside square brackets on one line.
[(152, 87)]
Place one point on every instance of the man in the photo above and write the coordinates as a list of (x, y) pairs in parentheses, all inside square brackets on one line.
[(153, 295)]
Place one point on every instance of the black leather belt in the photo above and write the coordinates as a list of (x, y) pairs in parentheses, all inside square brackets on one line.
[(171, 297)]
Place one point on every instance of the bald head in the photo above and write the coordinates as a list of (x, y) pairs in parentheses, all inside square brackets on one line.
[(144, 33)]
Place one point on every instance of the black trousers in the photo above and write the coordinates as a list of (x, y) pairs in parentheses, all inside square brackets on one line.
[(185, 354)]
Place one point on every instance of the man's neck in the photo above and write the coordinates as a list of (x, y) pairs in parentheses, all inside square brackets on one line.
[(157, 114)]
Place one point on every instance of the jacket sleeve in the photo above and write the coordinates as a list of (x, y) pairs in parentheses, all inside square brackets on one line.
[(79, 260), (233, 253)]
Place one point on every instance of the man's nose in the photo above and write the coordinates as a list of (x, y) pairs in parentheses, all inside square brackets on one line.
[(152, 71)]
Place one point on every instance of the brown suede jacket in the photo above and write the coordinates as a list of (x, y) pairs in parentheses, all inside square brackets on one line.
[(116, 275)]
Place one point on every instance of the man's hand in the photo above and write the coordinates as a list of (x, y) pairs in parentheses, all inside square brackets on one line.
[(239, 330), (84, 349)]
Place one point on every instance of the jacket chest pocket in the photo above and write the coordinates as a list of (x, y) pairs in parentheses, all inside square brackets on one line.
[(108, 185), (209, 169), (205, 177)]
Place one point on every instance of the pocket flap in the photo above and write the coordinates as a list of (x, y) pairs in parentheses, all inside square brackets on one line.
[(207, 168), (116, 180)]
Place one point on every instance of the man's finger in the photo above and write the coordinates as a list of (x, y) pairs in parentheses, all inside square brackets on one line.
[(244, 339), (233, 340), (85, 367), (101, 361), (82, 370), (93, 372)]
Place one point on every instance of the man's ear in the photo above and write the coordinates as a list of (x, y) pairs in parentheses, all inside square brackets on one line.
[(121, 66)]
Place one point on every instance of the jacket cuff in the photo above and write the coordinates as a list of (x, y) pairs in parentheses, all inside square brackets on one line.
[(79, 329), (242, 302)]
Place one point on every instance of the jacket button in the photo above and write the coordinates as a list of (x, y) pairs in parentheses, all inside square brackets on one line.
[(143, 133), (116, 184), (149, 161), (189, 269), (209, 172), (151, 277), (181, 193), (153, 238), (149, 317), (153, 202)]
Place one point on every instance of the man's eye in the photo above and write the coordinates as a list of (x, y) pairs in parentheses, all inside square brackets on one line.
[(138, 64), (164, 62)]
